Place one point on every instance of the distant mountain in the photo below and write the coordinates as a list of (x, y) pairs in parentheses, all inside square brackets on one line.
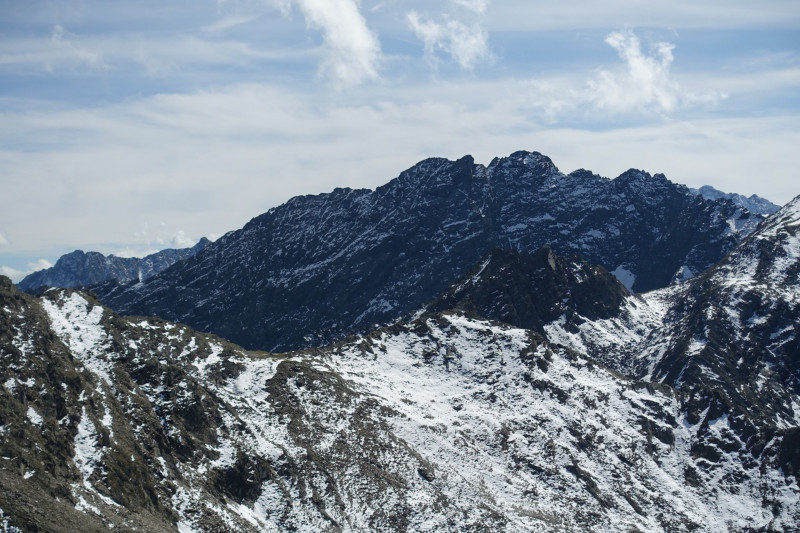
[(80, 268), (319, 267), (753, 203), (441, 422)]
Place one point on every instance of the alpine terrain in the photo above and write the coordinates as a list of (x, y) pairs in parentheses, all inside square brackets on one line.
[(535, 393), (319, 267), (80, 268)]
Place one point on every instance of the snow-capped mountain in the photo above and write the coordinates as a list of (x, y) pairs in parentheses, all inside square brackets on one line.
[(534, 393), (321, 266), (753, 203), (81, 268), (442, 423)]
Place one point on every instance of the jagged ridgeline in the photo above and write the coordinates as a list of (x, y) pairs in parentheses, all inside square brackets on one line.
[(318, 267)]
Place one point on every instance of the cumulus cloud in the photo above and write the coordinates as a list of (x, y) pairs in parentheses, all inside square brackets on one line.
[(157, 237), (646, 83), (353, 52), (465, 44)]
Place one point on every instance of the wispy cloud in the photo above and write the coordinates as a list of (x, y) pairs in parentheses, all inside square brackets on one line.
[(157, 56), (478, 6), (641, 85), (3, 240), (465, 44), (353, 53), (646, 83)]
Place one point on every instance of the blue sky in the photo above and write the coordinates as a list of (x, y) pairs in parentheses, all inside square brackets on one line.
[(126, 127)]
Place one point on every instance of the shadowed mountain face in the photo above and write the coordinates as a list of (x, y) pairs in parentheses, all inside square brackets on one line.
[(321, 266), (529, 291), (80, 268)]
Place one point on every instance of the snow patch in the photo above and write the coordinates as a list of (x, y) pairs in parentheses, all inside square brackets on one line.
[(35, 418)]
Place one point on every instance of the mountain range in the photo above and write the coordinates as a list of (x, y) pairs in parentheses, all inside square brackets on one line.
[(753, 203), (582, 371), (319, 267), (674, 410), (81, 268)]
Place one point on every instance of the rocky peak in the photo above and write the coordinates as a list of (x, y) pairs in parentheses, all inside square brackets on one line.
[(530, 291)]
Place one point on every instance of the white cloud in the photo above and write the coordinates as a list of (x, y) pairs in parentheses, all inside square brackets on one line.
[(465, 44), (41, 264), (641, 86), (13, 273), (17, 275), (3, 240), (478, 6), (181, 240), (127, 53), (353, 51), (645, 85), (64, 44)]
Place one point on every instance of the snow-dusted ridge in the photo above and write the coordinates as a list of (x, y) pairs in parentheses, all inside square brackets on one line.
[(443, 423), (673, 410)]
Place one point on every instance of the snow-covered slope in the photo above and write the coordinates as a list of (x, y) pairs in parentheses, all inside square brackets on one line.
[(319, 267), (729, 340), (444, 423)]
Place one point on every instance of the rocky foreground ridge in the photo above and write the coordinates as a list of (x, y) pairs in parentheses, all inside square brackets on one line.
[(674, 410)]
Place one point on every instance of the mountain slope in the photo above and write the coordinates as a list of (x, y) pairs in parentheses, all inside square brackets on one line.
[(727, 339), (80, 268), (445, 423), (753, 203), (321, 266)]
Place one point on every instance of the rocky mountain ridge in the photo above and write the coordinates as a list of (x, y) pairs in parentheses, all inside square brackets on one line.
[(675, 410), (319, 267), (80, 268), (444, 423)]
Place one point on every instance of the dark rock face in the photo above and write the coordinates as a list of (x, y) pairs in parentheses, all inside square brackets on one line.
[(80, 268), (529, 291), (321, 266)]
